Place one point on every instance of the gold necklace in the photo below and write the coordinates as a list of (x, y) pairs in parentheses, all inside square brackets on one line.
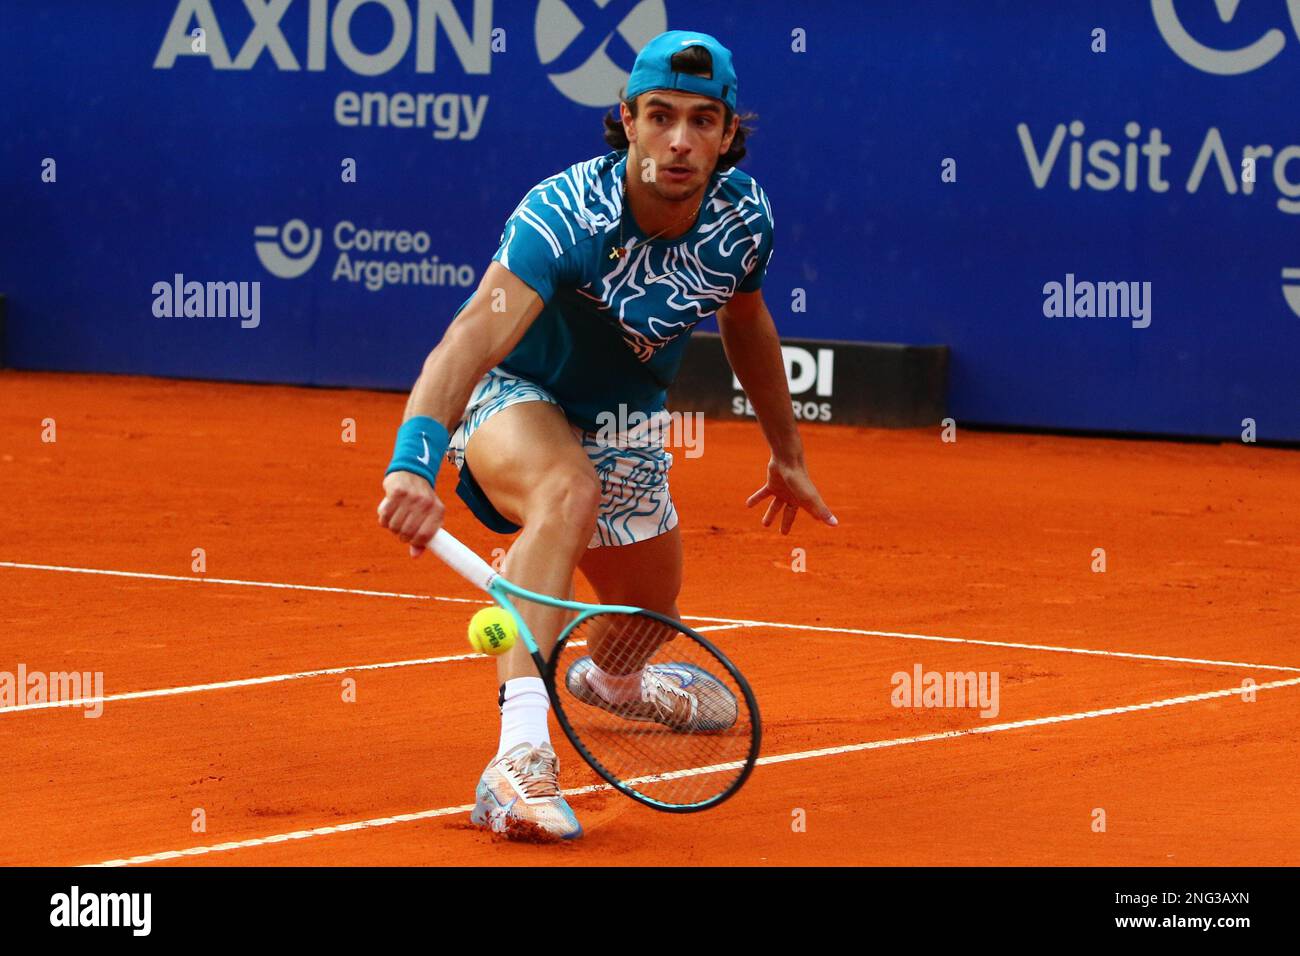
[(619, 251)]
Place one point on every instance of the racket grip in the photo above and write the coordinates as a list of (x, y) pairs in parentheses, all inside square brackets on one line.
[(462, 560)]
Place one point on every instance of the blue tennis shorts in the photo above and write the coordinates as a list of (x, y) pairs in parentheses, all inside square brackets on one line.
[(633, 468)]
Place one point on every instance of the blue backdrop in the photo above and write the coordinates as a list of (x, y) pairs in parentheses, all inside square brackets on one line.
[(166, 161)]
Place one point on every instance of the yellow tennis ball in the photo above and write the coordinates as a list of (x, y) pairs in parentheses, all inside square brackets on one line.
[(492, 631)]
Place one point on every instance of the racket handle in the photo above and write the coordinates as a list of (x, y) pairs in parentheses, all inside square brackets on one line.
[(462, 560)]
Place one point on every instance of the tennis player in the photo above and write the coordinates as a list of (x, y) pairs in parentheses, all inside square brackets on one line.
[(602, 272)]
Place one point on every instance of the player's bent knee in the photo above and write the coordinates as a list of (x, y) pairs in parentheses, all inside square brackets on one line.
[(567, 503), (578, 500)]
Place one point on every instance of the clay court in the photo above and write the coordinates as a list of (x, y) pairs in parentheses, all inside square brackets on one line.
[(1121, 691)]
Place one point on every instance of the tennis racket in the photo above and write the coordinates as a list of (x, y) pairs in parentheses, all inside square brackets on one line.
[(653, 707)]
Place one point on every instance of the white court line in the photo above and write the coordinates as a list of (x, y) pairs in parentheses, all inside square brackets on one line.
[(194, 579), (762, 761), (1009, 644), (738, 622), (269, 679), (225, 685)]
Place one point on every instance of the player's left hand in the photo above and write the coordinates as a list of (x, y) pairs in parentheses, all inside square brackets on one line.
[(790, 489)]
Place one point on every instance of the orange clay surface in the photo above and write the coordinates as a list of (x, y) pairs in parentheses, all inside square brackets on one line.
[(973, 556)]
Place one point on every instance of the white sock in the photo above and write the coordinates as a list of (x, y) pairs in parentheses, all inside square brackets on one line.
[(523, 714), (615, 688)]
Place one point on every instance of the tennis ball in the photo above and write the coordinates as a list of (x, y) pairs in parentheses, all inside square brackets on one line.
[(492, 631)]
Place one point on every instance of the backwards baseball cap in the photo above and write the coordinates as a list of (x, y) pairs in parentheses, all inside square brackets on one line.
[(653, 68)]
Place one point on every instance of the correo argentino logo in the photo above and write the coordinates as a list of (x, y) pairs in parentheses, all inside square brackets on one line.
[(287, 251), (1211, 59), (590, 59)]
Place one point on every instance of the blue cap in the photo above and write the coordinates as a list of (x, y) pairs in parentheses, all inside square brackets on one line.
[(653, 69)]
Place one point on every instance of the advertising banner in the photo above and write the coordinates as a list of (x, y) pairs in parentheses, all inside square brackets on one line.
[(1094, 206)]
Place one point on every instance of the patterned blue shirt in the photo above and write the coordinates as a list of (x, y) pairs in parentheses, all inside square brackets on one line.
[(613, 330)]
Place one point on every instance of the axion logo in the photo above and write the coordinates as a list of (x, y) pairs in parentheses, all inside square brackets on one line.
[(1213, 60), (288, 251), (590, 58), (327, 30)]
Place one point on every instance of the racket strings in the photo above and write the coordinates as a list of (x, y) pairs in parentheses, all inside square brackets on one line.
[(655, 707)]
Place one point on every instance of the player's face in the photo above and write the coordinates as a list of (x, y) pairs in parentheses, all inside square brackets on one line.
[(675, 141)]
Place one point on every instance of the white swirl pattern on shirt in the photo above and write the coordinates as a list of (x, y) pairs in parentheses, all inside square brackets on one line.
[(661, 289)]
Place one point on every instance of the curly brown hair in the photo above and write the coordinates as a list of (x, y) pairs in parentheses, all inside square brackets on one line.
[(694, 61)]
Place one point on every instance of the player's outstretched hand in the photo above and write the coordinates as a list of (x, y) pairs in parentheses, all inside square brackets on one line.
[(790, 489), (410, 510)]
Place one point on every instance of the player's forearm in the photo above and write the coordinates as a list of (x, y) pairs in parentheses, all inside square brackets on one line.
[(754, 351), (483, 334), (470, 347), (450, 372)]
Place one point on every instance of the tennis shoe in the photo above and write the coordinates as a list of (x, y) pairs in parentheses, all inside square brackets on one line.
[(519, 797), (681, 696)]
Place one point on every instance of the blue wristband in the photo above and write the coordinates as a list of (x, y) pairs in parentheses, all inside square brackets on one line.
[(421, 443)]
